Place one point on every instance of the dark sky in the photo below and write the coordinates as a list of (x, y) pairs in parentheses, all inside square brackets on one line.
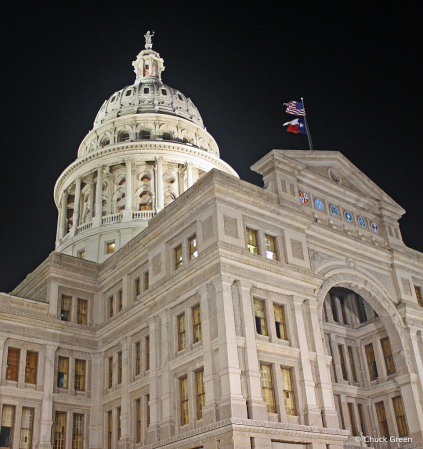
[(358, 67)]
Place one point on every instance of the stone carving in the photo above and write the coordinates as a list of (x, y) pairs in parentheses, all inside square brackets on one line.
[(230, 226)]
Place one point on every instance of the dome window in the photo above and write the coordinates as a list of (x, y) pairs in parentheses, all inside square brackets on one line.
[(145, 178), (169, 180), (122, 182), (164, 92), (145, 134), (146, 90), (124, 136), (166, 136), (185, 140), (113, 98), (145, 203), (129, 92), (180, 97), (105, 142)]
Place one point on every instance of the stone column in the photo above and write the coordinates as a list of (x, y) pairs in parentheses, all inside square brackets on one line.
[(127, 213), (46, 420), (160, 197), (256, 405), (153, 430), (76, 203), (189, 175), (98, 197), (96, 423), (63, 211), (416, 354), (311, 412), (91, 200), (125, 441), (233, 404), (3, 339)]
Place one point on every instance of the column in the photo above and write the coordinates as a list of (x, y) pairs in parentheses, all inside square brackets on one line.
[(127, 213), (311, 412), (416, 354), (98, 197), (3, 339), (76, 203), (153, 431), (160, 197), (189, 175), (91, 200), (232, 402), (256, 405), (330, 418), (125, 441), (47, 402), (63, 212), (96, 425)]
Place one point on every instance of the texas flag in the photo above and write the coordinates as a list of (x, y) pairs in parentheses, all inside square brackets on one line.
[(296, 126)]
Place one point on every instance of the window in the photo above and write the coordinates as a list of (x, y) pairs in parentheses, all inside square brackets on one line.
[(110, 372), (148, 409), (280, 321), (128, 93), (122, 182), (166, 136), (362, 315), (109, 430), (105, 142), (81, 317), (381, 416), (180, 97), (120, 300), (270, 247), (260, 317), (31, 367), (12, 370), (119, 367), (352, 420), (113, 98), (342, 360), (80, 375), (26, 428), (252, 241), (147, 353), (137, 286), (192, 244), (185, 140), (137, 358), (146, 279), (184, 401), (110, 301), (110, 248), (196, 324), (65, 308), (7, 424), (371, 362), (62, 372), (400, 416), (81, 254), (361, 416), (418, 296), (145, 134), (387, 354), (267, 388), (288, 391), (164, 92), (78, 431), (138, 420), (352, 364), (124, 137), (60, 430), (146, 90), (181, 332), (201, 394), (119, 423), (178, 257)]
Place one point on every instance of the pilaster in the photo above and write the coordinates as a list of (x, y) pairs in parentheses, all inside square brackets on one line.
[(127, 213), (160, 197), (125, 441), (96, 427), (153, 430)]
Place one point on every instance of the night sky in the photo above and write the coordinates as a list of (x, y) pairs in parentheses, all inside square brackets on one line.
[(358, 67)]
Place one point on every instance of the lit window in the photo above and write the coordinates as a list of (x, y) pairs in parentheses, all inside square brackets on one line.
[(196, 324), (137, 358), (288, 391), (81, 254), (65, 308), (110, 301), (252, 241), (267, 388), (352, 364), (193, 251), (62, 372), (119, 423), (120, 300), (81, 316), (78, 431), (181, 332), (26, 428), (110, 247), (145, 178), (371, 362), (178, 257), (166, 136), (184, 401), (147, 353), (280, 322), (31, 367), (270, 247), (138, 420), (109, 430), (12, 369), (146, 279), (60, 430), (122, 182), (80, 375), (387, 354), (137, 286), (110, 372), (418, 296), (342, 360), (7, 425), (145, 134), (201, 393), (400, 416), (119, 368), (383, 422), (260, 316), (352, 420), (145, 203)]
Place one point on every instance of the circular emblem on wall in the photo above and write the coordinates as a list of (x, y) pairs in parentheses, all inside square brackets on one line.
[(333, 210), (318, 204), (375, 227), (303, 197), (348, 216), (362, 222)]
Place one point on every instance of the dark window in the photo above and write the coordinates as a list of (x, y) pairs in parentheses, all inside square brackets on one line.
[(113, 99), (146, 90), (371, 362), (65, 308), (180, 97), (63, 372), (333, 307), (166, 136), (124, 137), (342, 360), (387, 354), (362, 315), (145, 134), (164, 92), (12, 369), (129, 92), (383, 422), (31, 367)]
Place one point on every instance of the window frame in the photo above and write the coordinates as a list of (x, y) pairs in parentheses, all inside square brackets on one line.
[(13, 422), (78, 376), (31, 369), (75, 432), (80, 315), (254, 233), (262, 320), (30, 425), (16, 365), (388, 358), (178, 251), (291, 391), (279, 324), (274, 252), (200, 394), (193, 250), (63, 430), (110, 372), (108, 245), (68, 312), (137, 353), (65, 374), (268, 392), (401, 420), (371, 365), (196, 326), (383, 423), (182, 334), (120, 368), (184, 400)]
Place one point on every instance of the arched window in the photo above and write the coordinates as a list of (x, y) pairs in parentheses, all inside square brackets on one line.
[(124, 136), (145, 202), (105, 141), (122, 182), (145, 178), (128, 92), (168, 198), (185, 140), (145, 134), (166, 136)]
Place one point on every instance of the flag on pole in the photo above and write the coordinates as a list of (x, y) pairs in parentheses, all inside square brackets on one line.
[(295, 108), (296, 126)]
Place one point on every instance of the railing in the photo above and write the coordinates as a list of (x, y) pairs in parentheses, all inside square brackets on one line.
[(142, 215), (114, 218), (84, 227)]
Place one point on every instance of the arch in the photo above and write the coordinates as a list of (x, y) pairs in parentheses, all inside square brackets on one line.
[(144, 175), (146, 200), (145, 134), (123, 136), (379, 299), (118, 195)]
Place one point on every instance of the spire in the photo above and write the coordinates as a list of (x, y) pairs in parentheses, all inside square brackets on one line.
[(148, 66)]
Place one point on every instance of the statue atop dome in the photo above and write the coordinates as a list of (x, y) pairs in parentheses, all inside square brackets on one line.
[(148, 43)]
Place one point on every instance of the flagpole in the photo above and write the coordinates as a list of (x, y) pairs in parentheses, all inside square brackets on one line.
[(306, 124)]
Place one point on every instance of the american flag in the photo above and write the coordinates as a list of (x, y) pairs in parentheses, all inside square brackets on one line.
[(295, 108)]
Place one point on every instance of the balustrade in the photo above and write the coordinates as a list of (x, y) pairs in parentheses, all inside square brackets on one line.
[(111, 218), (142, 215)]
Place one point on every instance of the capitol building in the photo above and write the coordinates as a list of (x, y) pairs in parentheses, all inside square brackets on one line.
[(186, 308)]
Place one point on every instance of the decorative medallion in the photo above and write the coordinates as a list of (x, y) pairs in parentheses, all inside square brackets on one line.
[(362, 222), (375, 227), (333, 210), (318, 203), (348, 216), (303, 197)]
